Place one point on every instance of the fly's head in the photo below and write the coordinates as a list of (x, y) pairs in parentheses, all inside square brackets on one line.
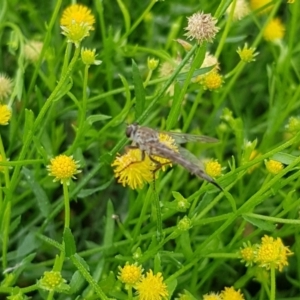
[(131, 130)]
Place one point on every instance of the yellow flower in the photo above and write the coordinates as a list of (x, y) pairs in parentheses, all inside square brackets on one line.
[(32, 51), (131, 170), (241, 9), (5, 86), (51, 280), (274, 30), (130, 274), (212, 296), (89, 57), (76, 23), (247, 54), (229, 293), (201, 27), (152, 287), (63, 168), (212, 81), (273, 166), (272, 253), (257, 4), (5, 114), (248, 254), (213, 168), (79, 14)]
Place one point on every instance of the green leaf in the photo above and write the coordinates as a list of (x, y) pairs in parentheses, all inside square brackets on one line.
[(126, 15), (88, 192), (70, 246), (95, 118), (284, 158), (175, 111), (202, 71), (28, 126), (41, 196), (261, 224), (28, 244), (109, 225), (139, 90), (76, 283)]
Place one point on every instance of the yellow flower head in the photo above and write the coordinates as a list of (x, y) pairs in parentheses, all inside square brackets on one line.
[(212, 81), (152, 287), (88, 57), (257, 4), (212, 296), (229, 293), (5, 86), (32, 51), (241, 9), (272, 253), (201, 27), (5, 114), (130, 274), (273, 166), (51, 280), (274, 30), (131, 170), (248, 254), (247, 54), (63, 168), (77, 13), (213, 168), (76, 23)]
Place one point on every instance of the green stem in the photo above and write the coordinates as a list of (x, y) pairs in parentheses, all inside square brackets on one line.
[(67, 204), (158, 215), (273, 284), (82, 112), (76, 261)]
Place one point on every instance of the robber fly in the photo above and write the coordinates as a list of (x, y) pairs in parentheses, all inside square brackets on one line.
[(147, 140)]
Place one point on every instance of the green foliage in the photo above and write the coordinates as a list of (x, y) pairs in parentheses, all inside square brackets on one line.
[(179, 226)]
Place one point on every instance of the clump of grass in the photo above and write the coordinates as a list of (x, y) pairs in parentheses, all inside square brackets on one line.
[(69, 229)]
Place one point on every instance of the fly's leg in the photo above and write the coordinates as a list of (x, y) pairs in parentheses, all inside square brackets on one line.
[(134, 162)]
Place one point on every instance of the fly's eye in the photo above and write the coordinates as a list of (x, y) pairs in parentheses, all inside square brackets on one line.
[(128, 131)]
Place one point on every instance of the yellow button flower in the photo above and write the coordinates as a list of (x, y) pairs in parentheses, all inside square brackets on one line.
[(5, 114), (152, 287), (213, 168), (63, 168), (274, 30), (76, 23), (212, 296), (272, 253), (229, 293), (273, 166), (130, 274)]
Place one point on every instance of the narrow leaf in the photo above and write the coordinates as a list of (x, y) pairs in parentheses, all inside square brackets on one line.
[(139, 90), (70, 246)]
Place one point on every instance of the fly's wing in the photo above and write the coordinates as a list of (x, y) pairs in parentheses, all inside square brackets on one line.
[(181, 138), (190, 157)]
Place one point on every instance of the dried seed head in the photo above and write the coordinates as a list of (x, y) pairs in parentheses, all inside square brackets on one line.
[(201, 27)]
